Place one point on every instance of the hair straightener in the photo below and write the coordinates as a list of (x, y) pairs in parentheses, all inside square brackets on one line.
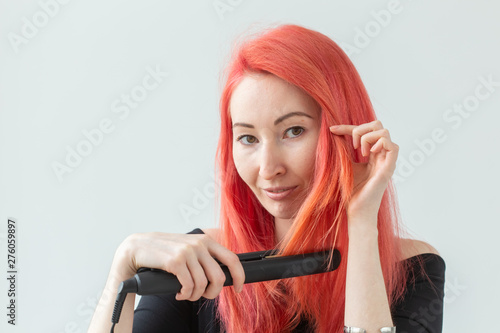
[(258, 266)]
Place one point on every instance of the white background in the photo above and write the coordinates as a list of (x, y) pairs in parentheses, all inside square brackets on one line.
[(65, 78)]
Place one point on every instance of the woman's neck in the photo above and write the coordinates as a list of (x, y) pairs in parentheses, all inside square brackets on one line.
[(281, 227)]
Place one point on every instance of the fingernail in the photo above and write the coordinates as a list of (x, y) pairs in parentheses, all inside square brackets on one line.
[(334, 127)]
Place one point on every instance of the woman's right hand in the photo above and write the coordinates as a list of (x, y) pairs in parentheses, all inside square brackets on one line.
[(190, 257)]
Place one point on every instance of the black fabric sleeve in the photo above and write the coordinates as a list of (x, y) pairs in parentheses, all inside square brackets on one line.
[(421, 310), (163, 313)]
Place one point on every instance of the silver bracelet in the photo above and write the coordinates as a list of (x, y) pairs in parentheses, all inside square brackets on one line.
[(348, 329), (388, 329)]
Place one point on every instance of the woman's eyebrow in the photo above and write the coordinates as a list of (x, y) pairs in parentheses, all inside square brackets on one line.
[(277, 121)]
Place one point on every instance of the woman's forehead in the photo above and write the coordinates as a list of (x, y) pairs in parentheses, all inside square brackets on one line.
[(266, 95)]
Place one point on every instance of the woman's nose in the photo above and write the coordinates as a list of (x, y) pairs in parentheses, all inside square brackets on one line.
[(271, 161)]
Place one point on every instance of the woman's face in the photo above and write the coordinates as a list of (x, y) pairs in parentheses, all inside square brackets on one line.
[(275, 132)]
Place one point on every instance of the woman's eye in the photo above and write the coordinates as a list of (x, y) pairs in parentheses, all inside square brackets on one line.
[(295, 131), (242, 137), (250, 139)]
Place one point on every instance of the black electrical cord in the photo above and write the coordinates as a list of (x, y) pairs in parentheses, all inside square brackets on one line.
[(125, 287)]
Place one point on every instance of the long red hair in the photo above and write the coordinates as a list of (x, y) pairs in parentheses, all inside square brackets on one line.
[(317, 65)]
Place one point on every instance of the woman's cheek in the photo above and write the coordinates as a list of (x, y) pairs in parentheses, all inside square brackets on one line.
[(242, 164)]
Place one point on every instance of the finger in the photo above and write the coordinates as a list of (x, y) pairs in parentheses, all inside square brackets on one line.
[(342, 129), (356, 131), (215, 275), (232, 261), (189, 272), (382, 143), (388, 151), (345, 130), (377, 147), (371, 138), (199, 278), (391, 149), (364, 129), (185, 279)]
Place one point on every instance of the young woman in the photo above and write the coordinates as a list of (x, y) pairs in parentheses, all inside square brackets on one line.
[(304, 165)]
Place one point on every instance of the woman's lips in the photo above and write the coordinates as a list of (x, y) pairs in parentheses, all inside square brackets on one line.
[(280, 195)]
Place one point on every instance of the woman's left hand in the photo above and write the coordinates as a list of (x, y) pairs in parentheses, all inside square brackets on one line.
[(370, 179)]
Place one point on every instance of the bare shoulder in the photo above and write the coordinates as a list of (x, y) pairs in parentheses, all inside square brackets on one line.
[(211, 232), (413, 247)]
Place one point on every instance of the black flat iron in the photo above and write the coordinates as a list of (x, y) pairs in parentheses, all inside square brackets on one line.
[(258, 266)]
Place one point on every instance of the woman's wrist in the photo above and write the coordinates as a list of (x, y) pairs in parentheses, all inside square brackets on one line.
[(362, 226), (122, 264)]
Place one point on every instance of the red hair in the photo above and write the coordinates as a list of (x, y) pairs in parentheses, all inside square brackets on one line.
[(318, 66)]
